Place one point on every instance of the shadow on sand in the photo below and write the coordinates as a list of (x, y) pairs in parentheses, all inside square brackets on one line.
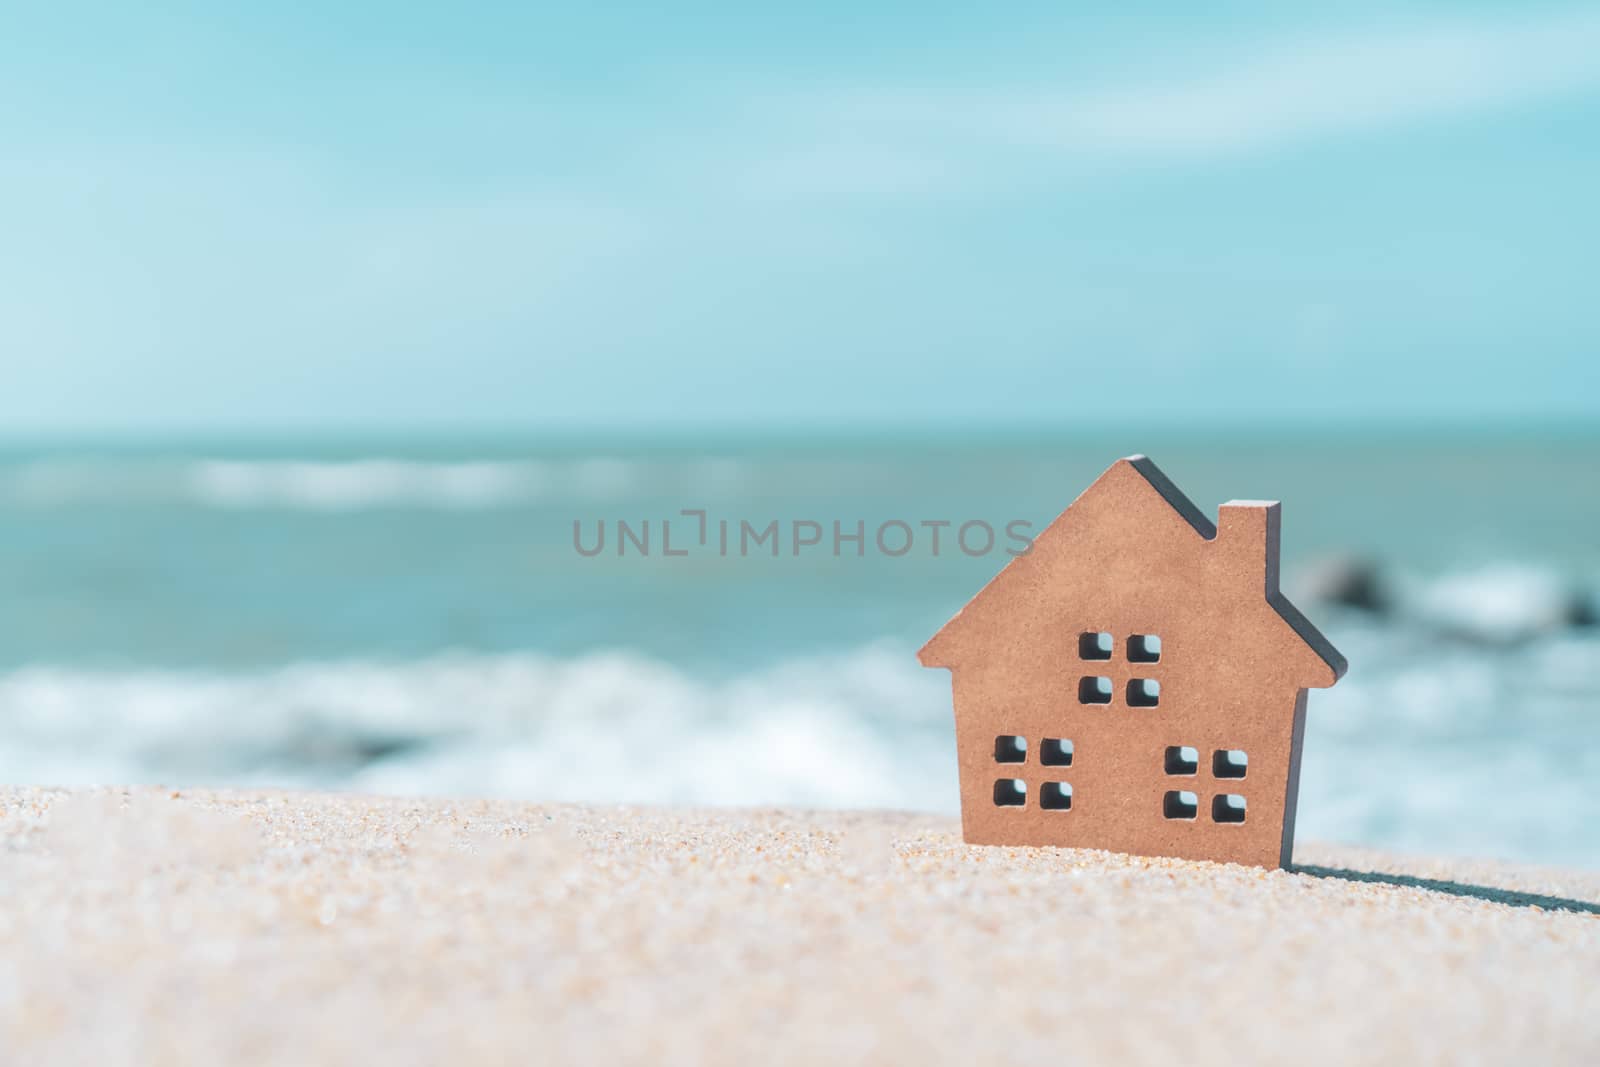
[(1456, 889)]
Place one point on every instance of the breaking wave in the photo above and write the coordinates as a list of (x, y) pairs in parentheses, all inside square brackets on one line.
[(1426, 746), (350, 485), (861, 730), (362, 484)]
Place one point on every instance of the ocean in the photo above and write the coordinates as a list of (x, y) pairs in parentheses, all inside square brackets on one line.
[(443, 617)]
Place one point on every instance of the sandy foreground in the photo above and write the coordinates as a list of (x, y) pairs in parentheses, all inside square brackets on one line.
[(156, 926)]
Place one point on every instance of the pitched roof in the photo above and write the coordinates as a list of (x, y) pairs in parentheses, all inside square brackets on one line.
[(1126, 483)]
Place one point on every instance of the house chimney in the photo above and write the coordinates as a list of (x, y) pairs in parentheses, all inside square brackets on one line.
[(1247, 539)]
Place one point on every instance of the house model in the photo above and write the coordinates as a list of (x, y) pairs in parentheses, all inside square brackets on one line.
[(1135, 681)]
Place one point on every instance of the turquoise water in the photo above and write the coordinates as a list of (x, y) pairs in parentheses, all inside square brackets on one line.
[(416, 616)]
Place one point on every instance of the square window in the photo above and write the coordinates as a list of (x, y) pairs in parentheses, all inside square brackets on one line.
[(1010, 793), (1227, 807), (1095, 644), (1180, 804), (1181, 759), (1093, 690), (1230, 763), (1144, 648), (1143, 693), (1056, 752), (1008, 748), (1055, 796)]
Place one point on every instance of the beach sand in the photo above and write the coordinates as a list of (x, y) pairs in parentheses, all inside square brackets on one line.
[(162, 926)]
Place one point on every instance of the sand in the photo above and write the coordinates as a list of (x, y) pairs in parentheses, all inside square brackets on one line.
[(155, 926)]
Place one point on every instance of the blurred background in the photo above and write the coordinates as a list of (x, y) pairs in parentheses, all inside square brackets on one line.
[(320, 330)]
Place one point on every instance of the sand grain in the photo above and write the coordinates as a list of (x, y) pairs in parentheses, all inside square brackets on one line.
[(149, 925)]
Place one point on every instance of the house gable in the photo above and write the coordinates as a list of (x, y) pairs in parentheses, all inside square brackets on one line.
[(1130, 515)]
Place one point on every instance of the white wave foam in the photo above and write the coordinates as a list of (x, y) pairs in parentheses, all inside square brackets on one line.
[(367, 483), (1505, 602), (854, 731), (1429, 746), (358, 484)]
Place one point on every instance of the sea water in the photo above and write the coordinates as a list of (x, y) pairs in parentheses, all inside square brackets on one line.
[(434, 617)]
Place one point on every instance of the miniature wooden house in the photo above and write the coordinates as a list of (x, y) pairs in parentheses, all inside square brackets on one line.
[(1135, 681)]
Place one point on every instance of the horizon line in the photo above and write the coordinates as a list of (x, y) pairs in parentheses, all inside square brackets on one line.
[(823, 429)]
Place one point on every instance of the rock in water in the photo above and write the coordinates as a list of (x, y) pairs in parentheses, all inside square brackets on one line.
[(1350, 581)]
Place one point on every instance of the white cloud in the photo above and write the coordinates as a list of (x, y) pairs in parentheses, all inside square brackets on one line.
[(1271, 94), (1346, 86)]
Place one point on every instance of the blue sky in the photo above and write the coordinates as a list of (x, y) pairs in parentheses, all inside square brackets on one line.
[(505, 216)]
